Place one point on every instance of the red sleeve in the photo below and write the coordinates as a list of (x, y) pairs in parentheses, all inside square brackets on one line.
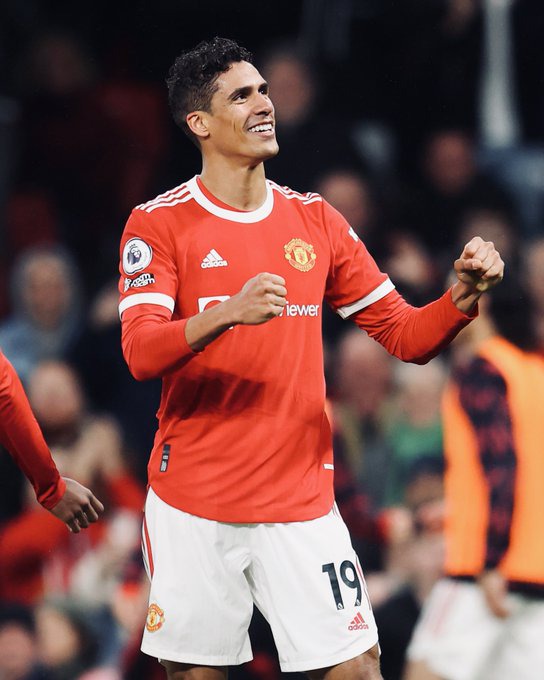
[(22, 437), (415, 334), (354, 280), (153, 344), (149, 273)]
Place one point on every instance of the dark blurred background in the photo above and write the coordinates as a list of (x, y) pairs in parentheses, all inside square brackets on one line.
[(422, 121)]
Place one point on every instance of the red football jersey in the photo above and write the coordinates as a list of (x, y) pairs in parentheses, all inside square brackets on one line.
[(243, 435)]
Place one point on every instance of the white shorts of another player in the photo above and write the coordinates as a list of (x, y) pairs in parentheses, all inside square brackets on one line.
[(460, 639)]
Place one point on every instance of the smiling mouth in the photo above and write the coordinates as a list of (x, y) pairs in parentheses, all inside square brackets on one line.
[(262, 127)]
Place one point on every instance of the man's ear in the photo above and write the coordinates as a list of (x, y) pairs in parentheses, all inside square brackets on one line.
[(198, 124)]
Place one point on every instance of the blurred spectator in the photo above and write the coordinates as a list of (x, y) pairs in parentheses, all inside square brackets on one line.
[(46, 309), (412, 267), (475, 65), (414, 566), (308, 148), (351, 194), (108, 383), (512, 136), (67, 644), (488, 607), (18, 645), (533, 268), (450, 186), (414, 428), (363, 378), (36, 555), (94, 145), (494, 226)]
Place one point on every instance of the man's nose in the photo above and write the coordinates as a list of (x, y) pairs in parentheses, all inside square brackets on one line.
[(263, 104)]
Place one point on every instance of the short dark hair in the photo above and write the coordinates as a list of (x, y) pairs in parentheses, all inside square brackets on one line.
[(192, 77), (512, 311)]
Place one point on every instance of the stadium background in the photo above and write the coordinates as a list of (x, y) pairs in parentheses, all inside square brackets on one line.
[(382, 107)]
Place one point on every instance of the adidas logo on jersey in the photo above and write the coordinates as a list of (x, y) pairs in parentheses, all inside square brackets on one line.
[(213, 259), (358, 623)]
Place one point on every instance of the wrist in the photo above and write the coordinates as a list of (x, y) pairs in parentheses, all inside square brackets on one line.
[(465, 296), (229, 313)]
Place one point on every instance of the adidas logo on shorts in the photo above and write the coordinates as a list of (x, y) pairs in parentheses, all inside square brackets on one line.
[(358, 623), (213, 259)]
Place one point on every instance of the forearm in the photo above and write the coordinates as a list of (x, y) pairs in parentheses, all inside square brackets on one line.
[(410, 333), (154, 345)]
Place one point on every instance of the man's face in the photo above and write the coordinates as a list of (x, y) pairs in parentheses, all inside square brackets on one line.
[(241, 123)]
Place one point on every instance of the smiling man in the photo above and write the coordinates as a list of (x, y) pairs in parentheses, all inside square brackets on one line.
[(241, 508)]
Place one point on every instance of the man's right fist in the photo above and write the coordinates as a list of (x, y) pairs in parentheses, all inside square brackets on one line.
[(262, 298)]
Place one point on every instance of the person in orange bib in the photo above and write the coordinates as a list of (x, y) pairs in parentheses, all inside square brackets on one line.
[(484, 619), (222, 285)]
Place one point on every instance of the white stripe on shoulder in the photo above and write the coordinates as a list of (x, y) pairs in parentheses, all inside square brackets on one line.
[(310, 197), (377, 294), (147, 299), (169, 204), (171, 193)]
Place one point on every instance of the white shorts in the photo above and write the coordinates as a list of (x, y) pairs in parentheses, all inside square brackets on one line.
[(205, 577), (460, 639)]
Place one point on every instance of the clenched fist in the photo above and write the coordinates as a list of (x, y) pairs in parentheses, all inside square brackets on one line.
[(480, 265), (262, 298)]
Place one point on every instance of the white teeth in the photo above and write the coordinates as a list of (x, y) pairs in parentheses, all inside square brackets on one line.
[(267, 127)]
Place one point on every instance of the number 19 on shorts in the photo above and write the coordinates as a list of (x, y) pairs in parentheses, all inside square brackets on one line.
[(350, 578)]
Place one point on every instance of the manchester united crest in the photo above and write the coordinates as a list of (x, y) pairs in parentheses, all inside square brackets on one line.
[(155, 618), (300, 254)]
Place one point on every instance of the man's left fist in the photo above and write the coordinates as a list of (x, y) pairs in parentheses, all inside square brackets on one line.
[(480, 265)]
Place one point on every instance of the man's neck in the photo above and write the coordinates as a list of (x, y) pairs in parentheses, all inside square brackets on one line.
[(243, 188)]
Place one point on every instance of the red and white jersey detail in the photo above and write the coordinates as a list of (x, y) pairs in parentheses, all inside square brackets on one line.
[(245, 420)]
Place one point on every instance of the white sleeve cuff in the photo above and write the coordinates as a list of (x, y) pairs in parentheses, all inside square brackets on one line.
[(377, 294), (147, 299)]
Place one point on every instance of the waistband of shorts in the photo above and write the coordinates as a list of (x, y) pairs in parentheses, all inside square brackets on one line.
[(525, 588)]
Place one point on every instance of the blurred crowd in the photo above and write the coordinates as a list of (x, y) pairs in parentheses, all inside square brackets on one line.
[(423, 125)]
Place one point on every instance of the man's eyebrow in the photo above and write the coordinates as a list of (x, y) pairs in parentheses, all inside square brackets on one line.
[(246, 90)]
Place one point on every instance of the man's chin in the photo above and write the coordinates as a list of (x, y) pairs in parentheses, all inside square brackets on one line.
[(269, 153)]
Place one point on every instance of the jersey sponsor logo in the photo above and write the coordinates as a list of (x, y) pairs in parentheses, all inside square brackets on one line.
[(288, 310), (155, 618), (300, 254), (300, 310), (141, 281), (213, 259), (205, 302), (358, 623), (137, 255)]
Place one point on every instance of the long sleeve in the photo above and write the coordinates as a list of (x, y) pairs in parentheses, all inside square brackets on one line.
[(22, 437), (152, 343), (483, 397), (414, 334)]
